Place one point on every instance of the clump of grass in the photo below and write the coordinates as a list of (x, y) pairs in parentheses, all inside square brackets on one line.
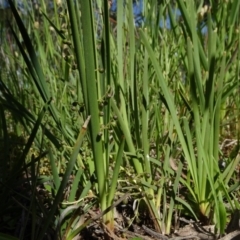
[(156, 100)]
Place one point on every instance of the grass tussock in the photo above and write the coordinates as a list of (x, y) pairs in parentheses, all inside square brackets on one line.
[(106, 125)]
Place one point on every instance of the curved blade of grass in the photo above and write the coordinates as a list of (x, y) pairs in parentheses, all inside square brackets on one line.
[(69, 227), (67, 211), (92, 219), (187, 205), (67, 173)]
